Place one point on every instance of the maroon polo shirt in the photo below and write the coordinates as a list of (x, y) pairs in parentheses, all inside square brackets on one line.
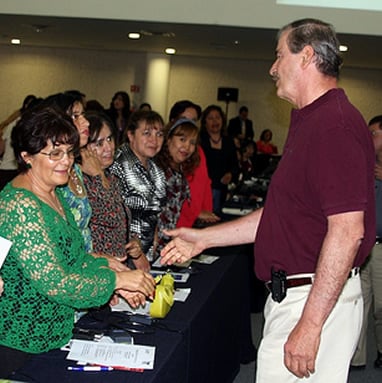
[(327, 168)]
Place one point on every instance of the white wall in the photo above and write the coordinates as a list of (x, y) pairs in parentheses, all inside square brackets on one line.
[(43, 71)]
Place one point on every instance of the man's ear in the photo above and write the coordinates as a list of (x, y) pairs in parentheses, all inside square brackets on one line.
[(307, 55)]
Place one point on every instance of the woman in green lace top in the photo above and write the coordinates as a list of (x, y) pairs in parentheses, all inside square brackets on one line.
[(47, 273)]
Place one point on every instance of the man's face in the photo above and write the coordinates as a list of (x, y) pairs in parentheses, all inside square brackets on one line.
[(285, 71), (244, 114)]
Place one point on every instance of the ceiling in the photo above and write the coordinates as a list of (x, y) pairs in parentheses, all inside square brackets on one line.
[(189, 39)]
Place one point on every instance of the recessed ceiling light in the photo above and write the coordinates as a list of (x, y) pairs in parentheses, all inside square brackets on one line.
[(170, 51), (343, 48), (134, 35), (16, 41)]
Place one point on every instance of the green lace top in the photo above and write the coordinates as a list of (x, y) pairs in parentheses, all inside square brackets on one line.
[(47, 273)]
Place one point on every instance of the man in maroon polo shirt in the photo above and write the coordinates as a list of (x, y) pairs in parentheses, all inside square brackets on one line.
[(318, 223)]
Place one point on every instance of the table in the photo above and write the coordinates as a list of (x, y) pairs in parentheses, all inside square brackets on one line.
[(201, 340)]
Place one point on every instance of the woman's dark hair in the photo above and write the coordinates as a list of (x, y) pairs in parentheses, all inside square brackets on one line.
[(96, 121), (376, 120), (207, 111), (145, 105), (149, 116), (94, 106), (264, 132), (321, 37), (27, 102), (179, 128), (62, 101), (180, 106), (37, 127)]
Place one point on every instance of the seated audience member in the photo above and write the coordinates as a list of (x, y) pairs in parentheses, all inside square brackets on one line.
[(119, 112), (8, 165), (247, 152), (265, 145), (199, 206), (47, 272), (240, 128), (177, 158), (220, 153), (142, 182), (109, 223)]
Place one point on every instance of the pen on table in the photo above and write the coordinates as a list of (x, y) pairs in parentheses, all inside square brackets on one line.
[(90, 368), (122, 368)]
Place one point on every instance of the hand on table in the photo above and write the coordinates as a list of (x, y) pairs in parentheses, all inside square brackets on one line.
[(136, 281), (135, 299)]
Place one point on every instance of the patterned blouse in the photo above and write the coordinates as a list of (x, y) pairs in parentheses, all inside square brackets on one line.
[(47, 273), (80, 208), (109, 220), (177, 191), (143, 191)]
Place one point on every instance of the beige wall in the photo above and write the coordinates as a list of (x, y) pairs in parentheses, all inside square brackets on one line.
[(43, 71), (245, 13)]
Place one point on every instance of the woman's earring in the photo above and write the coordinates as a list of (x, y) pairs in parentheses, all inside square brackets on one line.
[(29, 165)]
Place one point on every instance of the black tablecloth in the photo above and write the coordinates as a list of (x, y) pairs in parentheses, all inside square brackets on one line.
[(201, 340)]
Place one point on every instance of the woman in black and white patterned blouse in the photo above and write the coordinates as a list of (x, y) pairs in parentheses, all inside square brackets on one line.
[(142, 182)]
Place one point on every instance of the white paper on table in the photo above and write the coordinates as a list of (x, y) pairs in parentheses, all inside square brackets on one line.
[(5, 245), (115, 354), (181, 295), (205, 258)]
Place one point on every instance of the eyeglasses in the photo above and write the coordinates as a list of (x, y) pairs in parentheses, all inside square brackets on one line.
[(58, 154), (99, 143)]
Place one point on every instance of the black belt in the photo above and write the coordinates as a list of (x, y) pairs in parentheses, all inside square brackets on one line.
[(297, 282), (378, 240)]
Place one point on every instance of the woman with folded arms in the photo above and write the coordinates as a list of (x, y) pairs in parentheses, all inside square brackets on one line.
[(110, 220), (47, 273)]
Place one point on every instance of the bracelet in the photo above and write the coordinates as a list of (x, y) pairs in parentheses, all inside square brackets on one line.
[(140, 255)]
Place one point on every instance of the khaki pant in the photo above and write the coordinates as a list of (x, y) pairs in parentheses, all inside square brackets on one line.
[(338, 339)]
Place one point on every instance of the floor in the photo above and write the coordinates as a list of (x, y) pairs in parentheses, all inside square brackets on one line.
[(369, 375)]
